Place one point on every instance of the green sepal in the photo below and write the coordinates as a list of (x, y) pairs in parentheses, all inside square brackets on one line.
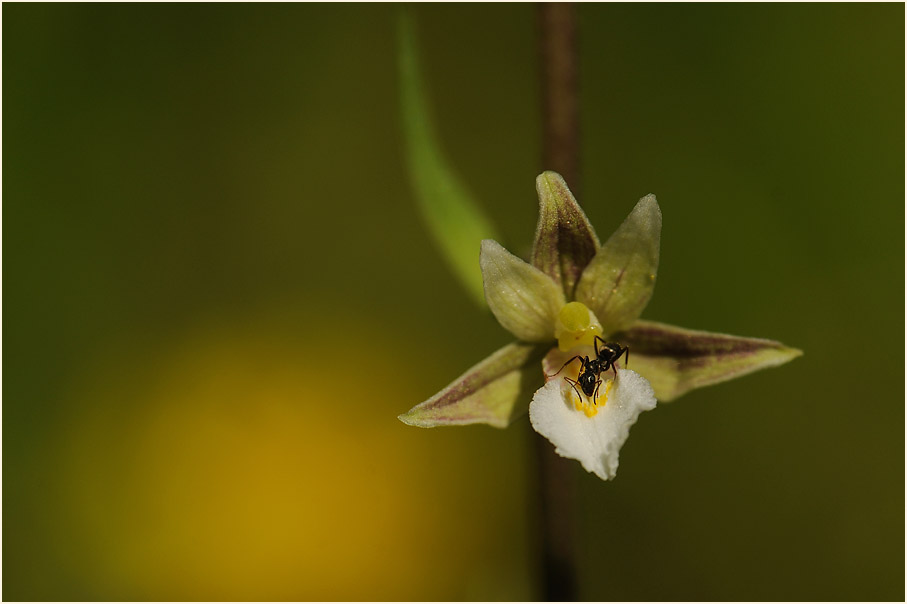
[(495, 391), (524, 300), (619, 281), (565, 242), (454, 219), (677, 360)]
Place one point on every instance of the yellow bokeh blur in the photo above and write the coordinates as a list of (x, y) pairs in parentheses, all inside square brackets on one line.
[(241, 464)]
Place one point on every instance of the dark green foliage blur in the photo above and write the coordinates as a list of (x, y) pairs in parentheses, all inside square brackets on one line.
[(218, 295)]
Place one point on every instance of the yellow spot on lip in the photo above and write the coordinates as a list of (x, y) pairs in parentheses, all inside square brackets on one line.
[(585, 404)]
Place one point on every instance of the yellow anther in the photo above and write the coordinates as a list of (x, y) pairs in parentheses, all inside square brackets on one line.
[(574, 316), (576, 326)]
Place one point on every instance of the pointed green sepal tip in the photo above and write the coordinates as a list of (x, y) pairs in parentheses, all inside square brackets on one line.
[(495, 391), (618, 283), (677, 360), (565, 241)]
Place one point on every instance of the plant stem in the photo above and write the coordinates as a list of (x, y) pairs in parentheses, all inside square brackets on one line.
[(560, 98), (560, 107)]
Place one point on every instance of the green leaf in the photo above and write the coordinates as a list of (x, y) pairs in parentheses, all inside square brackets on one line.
[(494, 392), (618, 283), (524, 300), (677, 360), (454, 219), (565, 242)]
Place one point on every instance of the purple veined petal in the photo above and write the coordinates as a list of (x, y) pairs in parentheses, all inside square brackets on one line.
[(619, 281), (677, 360), (565, 242), (495, 391)]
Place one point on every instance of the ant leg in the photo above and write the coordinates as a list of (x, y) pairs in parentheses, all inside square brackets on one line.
[(595, 342), (573, 383), (595, 396), (564, 365), (626, 353)]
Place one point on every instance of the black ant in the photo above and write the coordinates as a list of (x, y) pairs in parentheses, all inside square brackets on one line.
[(590, 370)]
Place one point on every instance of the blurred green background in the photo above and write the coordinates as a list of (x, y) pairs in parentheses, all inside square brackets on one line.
[(219, 295)]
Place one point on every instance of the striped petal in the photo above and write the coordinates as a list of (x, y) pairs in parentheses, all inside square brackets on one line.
[(619, 281), (565, 242), (677, 360), (493, 392)]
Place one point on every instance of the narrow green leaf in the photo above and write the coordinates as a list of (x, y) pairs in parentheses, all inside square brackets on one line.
[(565, 242), (524, 300), (495, 392), (677, 360), (454, 219), (619, 281)]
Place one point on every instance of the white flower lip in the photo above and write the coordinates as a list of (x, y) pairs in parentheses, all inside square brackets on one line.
[(593, 441)]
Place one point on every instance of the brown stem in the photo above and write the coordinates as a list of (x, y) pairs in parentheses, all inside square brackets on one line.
[(560, 98), (557, 478)]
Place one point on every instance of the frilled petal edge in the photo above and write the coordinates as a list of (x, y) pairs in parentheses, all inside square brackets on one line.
[(594, 441)]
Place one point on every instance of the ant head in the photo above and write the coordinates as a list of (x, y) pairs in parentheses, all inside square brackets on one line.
[(587, 381)]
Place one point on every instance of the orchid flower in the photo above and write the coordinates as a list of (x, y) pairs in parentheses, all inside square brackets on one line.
[(574, 297)]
